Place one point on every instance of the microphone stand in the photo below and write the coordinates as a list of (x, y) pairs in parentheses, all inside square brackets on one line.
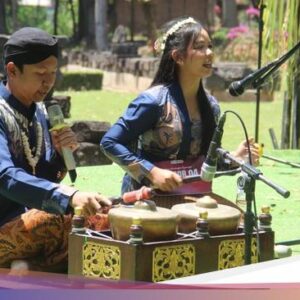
[(260, 40), (294, 165), (251, 175), (273, 66)]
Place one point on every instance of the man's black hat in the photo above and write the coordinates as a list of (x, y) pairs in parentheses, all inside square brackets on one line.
[(29, 46)]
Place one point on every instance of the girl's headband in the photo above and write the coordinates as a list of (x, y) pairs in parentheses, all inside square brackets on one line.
[(160, 43)]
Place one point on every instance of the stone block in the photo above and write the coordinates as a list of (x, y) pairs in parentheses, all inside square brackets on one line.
[(63, 101), (89, 154), (90, 131), (224, 73)]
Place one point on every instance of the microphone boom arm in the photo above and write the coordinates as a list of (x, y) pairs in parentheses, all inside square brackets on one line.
[(273, 66), (254, 173)]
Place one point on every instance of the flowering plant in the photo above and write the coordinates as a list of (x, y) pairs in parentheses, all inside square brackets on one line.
[(237, 31), (252, 12)]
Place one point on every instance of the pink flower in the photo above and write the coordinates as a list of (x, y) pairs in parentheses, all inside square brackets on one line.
[(232, 35), (252, 11), (237, 31)]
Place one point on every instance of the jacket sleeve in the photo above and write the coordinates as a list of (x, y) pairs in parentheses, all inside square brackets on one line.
[(19, 186), (141, 115)]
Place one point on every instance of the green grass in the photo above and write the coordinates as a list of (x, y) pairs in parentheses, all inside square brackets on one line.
[(98, 105), (108, 106)]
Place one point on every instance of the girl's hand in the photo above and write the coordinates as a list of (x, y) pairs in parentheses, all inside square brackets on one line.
[(242, 151), (164, 180)]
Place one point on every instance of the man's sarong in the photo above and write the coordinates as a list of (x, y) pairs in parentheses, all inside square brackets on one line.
[(41, 239)]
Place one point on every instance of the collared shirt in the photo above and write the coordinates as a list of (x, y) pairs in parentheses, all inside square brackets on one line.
[(156, 127), (19, 188)]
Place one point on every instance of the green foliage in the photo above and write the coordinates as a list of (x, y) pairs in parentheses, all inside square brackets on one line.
[(65, 26), (31, 16), (77, 81), (219, 37), (42, 17), (282, 32)]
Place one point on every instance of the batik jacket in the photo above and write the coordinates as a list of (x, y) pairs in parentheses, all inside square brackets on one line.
[(19, 188), (155, 127)]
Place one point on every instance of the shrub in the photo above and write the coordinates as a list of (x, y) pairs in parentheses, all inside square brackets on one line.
[(80, 80), (219, 37)]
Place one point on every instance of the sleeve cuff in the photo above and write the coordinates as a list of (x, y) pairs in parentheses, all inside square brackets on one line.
[(59, 202), (139, 170)]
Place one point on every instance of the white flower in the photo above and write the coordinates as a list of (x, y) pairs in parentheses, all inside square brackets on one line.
[(33, 160), (162, 41)]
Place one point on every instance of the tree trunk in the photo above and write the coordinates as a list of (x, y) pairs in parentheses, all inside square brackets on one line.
[(100, 24), (132, 20), (112, 15), (148, 8), (229, 13), (71, 4), (14, 8), (56, 7), (296, 108), (82, 9), (86, 24), (3, 28)]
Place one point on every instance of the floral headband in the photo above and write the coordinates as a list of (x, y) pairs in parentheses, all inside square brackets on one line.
[(160, 43)]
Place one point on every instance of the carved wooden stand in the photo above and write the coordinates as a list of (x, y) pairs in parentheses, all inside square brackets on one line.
[(102, 257)]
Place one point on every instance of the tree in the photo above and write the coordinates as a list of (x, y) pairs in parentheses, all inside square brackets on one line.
[(74, 24), (100, 24), (55, 16), (112, 14), (14, 9), (3, 27), (148, 9), (86, 22)]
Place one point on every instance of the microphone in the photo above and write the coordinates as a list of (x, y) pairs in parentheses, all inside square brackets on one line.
[(255, 79), (237, 88), (209, 167), (56, 119)]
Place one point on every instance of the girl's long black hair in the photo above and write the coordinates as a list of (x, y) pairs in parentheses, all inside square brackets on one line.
[(167, 73)]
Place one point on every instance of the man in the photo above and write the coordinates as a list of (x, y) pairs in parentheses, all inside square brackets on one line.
[(35, 210)]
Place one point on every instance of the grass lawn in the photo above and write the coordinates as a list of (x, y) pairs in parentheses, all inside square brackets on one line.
[(108, 106)]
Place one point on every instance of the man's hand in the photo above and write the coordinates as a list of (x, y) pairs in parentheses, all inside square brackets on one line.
[(90, 202), (164, 180), (64, 137)]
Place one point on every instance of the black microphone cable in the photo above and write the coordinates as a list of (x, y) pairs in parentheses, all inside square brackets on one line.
[(250, 162)]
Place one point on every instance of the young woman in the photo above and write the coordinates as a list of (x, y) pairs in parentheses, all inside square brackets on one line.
[(165, 133)]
